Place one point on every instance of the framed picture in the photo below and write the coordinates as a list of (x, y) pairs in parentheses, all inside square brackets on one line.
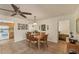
[(43, 27), (22, 26), (26, 27)]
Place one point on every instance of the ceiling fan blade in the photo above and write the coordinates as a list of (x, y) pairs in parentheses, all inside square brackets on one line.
[(27, 13), (13, 14), (6, 10), (15, 7), (23, 15)]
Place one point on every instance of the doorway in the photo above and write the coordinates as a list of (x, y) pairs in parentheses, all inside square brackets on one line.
[(63, 29), (6, 32)]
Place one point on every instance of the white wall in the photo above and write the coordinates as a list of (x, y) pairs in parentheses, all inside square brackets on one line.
[(18, 34), (64, 26)]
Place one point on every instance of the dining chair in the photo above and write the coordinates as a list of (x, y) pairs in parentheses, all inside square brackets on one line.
[(32, 40), (44, 40), (28, 34)]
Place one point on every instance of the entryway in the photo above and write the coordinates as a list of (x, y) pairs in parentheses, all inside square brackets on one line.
[(63, 29)]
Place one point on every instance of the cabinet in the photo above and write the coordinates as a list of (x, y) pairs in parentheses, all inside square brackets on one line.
[(63, 37)]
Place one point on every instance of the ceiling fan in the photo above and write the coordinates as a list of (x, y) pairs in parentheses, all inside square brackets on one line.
[(17, 11)]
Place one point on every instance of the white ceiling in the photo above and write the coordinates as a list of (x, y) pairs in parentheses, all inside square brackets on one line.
[(42, 11)]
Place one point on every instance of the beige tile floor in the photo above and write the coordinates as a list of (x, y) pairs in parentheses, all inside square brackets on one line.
[(23, 48)]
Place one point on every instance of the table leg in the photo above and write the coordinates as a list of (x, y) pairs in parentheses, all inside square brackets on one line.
[(38, 43)]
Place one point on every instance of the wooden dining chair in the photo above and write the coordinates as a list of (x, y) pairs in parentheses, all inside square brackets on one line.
[(28, 34), (32, 40), (44, 40)]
